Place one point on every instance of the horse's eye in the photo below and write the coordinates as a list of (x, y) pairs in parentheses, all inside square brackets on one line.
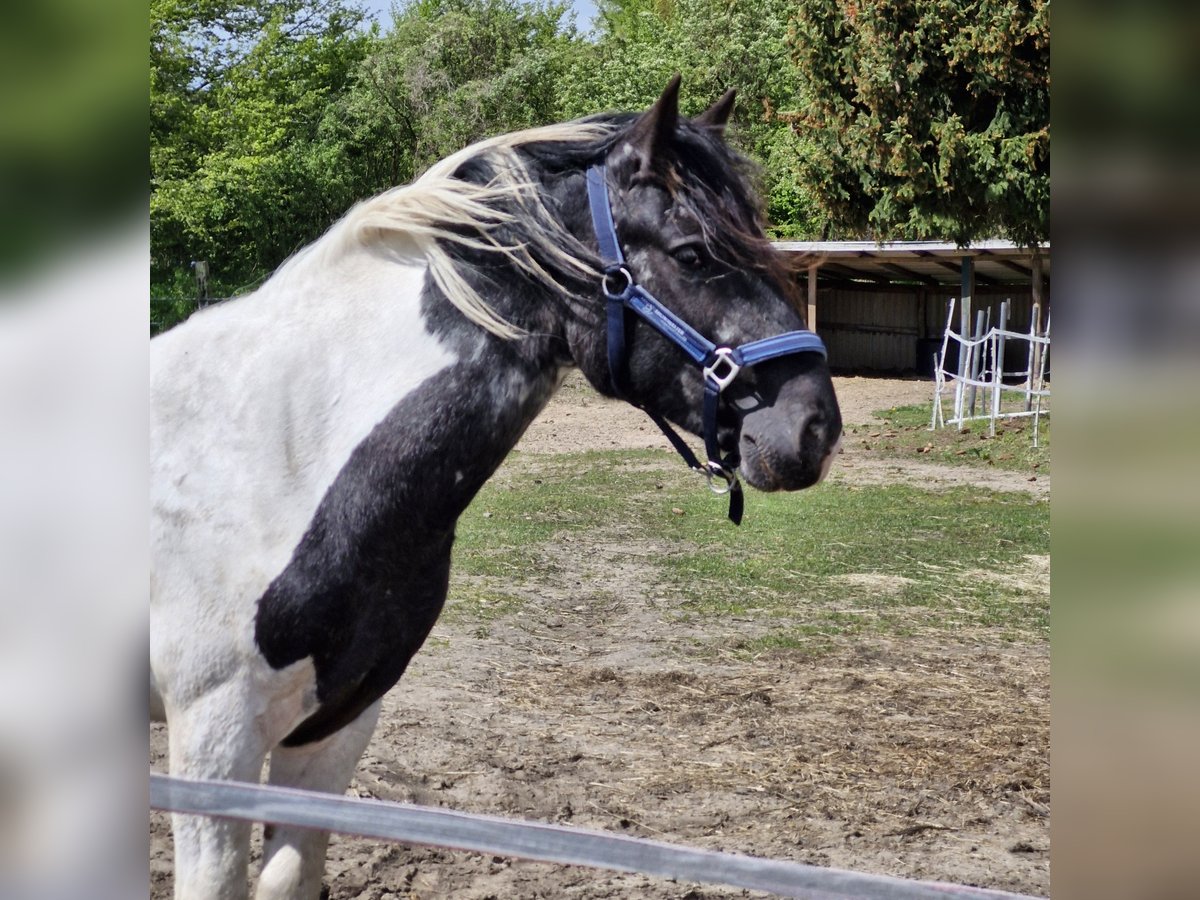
[(690, 255)]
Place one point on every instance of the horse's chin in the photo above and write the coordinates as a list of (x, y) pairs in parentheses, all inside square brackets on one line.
[(766, 470)]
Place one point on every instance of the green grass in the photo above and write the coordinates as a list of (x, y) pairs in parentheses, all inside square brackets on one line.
[(533, 499), (808, 545), (904, 432), (836, 560)]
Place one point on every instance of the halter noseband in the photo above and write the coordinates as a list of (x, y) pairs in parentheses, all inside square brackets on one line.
[(720, 365)]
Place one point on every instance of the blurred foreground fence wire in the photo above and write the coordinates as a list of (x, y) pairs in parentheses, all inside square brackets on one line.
[(408, 824)]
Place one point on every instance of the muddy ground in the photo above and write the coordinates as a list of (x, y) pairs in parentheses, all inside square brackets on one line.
[(924, 758)]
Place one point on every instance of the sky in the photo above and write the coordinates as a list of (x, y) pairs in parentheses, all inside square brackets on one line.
[(381, 11)]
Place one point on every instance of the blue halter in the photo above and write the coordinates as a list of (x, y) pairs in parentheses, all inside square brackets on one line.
[(720, 365)]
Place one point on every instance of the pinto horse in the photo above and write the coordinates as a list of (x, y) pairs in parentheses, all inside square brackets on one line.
[(314, 442)]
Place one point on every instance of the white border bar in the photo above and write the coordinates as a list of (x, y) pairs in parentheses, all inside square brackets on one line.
[(405, 823)]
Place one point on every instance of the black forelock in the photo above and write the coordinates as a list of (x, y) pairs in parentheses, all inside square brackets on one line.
[(716, 184)]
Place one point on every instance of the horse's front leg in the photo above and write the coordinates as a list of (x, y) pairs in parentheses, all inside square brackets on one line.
[(294, 858), (215, 737)]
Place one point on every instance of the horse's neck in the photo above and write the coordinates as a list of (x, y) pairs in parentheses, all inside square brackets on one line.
[(362, 364), (396, 380), (425, 404), (467, 420), (337, 411), (461, 424)]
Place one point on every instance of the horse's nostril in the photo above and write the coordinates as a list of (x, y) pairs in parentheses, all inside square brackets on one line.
[(812, 435)]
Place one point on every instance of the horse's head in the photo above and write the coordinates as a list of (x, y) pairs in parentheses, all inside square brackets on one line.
[(691, 233)]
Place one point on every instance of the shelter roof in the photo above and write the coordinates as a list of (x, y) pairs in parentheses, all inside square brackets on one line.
[(920, 262)]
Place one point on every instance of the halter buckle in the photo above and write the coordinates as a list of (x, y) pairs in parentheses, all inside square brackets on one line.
[(723, 369)]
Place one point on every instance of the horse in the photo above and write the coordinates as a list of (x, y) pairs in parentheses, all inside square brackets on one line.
[(315, 441)]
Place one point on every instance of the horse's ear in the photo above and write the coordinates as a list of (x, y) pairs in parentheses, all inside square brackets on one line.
[(717, 116), (652, 132)]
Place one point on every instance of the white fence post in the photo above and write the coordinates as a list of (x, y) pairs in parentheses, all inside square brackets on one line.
[(998, 365), (939, 370)]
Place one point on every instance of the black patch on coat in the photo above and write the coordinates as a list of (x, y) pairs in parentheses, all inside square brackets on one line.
[(369, 577)]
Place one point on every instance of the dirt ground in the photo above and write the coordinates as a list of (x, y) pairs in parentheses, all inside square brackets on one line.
[(591, 706)]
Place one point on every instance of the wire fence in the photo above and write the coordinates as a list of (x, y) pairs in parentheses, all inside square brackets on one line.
[(976, 372), (535, 841)]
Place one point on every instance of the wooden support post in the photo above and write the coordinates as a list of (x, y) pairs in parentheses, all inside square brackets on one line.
[(200, 271), (964, 309), (812, 296)]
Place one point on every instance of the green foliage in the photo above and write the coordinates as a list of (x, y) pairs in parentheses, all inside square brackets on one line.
[(449, 73), (893, 118), (927, 118), (241, 171), (270, 119)]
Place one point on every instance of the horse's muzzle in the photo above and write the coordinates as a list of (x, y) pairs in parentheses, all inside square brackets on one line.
[(793, 455)]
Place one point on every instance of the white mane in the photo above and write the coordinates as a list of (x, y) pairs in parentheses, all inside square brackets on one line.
[(438, 208)]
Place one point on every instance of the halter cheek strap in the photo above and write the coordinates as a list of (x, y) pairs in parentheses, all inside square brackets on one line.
[(719, 365)]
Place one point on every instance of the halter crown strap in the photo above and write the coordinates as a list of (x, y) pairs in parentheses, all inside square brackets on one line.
[(602, 220), (720, 365)]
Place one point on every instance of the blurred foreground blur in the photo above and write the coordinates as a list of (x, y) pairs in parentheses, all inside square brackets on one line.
[(74, 250), (73, 574), (1126, 520)]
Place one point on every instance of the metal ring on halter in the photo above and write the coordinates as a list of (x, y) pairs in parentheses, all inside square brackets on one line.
[(624, 273), (715, 470), (723, 356)]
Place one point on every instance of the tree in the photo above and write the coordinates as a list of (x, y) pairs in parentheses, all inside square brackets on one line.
[(270, 118), (449, 73), (885, 118), (241, 172), (926, 119), (715, 45)]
